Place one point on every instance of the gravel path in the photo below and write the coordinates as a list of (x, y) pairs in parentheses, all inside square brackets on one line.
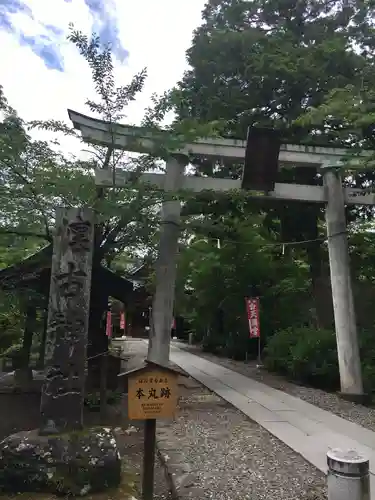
[(213, 451), (223, 455), (358, 414), (131, 446)]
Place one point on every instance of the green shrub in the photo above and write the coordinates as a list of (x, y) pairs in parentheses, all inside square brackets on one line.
[(7, 341), (367, 350), (92, 399), (309, 355), (233, 345), (12, 351), (305, 354), (237, 345), (314, 359), (15, 353), (212, 343), (278, 350)]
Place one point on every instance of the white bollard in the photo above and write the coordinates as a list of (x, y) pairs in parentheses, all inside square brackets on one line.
[(348, 475)]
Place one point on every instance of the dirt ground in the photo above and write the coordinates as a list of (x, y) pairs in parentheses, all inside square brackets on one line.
[(18, 412), (21, 412)]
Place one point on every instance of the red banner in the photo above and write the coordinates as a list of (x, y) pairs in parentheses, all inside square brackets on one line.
[(252, 307), (173, 327), (108, 329), (122, 321)]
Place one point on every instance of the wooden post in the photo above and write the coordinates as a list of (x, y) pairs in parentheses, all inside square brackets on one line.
[(42, 346), (68, 314), (23, 374), (342, 295), (149, 459), (103, 387), (28, 334), (162, 307), (152, 394)]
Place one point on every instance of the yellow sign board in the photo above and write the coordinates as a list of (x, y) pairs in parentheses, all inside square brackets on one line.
[(152, 393)]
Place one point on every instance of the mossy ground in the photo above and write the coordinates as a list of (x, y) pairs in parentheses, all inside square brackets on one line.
[(130, 446), (125, 491)]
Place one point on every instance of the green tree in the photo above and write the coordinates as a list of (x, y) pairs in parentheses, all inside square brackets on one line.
[(36, 177), (214, 280), (266, 63)]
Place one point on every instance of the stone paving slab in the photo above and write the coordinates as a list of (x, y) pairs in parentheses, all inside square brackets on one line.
[(307, 429)]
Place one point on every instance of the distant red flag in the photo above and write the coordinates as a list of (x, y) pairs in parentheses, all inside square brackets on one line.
[(173, 324), (252, 307), (122, 321)]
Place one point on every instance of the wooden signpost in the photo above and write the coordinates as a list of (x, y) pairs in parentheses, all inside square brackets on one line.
[(152, 394)]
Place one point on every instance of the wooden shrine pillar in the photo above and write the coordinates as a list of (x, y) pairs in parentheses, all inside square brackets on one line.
[(30, 323), (42, 347)]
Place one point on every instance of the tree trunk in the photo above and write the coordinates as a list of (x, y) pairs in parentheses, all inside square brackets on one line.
[(300, 222), (321, 287), (98, 341)]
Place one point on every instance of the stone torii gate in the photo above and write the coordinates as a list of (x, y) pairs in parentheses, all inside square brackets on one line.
[(329, 160)]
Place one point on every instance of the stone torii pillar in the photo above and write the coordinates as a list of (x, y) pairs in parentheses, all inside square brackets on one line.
[(166, 267), (342, 293)]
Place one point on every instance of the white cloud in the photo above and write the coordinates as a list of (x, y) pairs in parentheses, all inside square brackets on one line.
[(156, 34), (159, 41)]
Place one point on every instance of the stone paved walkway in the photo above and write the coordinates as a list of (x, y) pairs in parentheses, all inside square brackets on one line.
[(307, 429)]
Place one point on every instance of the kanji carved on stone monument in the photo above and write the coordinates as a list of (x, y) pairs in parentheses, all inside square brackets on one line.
[(79, 235)]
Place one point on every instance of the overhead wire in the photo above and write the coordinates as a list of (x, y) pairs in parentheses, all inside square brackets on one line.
[(282, 244)]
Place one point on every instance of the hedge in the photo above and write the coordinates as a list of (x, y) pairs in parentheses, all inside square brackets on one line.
[(309, 356)]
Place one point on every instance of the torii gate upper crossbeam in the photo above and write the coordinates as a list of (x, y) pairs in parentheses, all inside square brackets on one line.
[(139, 139)]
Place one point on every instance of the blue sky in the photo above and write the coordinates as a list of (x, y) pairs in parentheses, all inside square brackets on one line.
[(43, 74)]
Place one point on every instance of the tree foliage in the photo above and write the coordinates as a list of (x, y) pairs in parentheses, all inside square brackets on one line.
[(37, 177), (265, 62), (214, 281), (274, 63)]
